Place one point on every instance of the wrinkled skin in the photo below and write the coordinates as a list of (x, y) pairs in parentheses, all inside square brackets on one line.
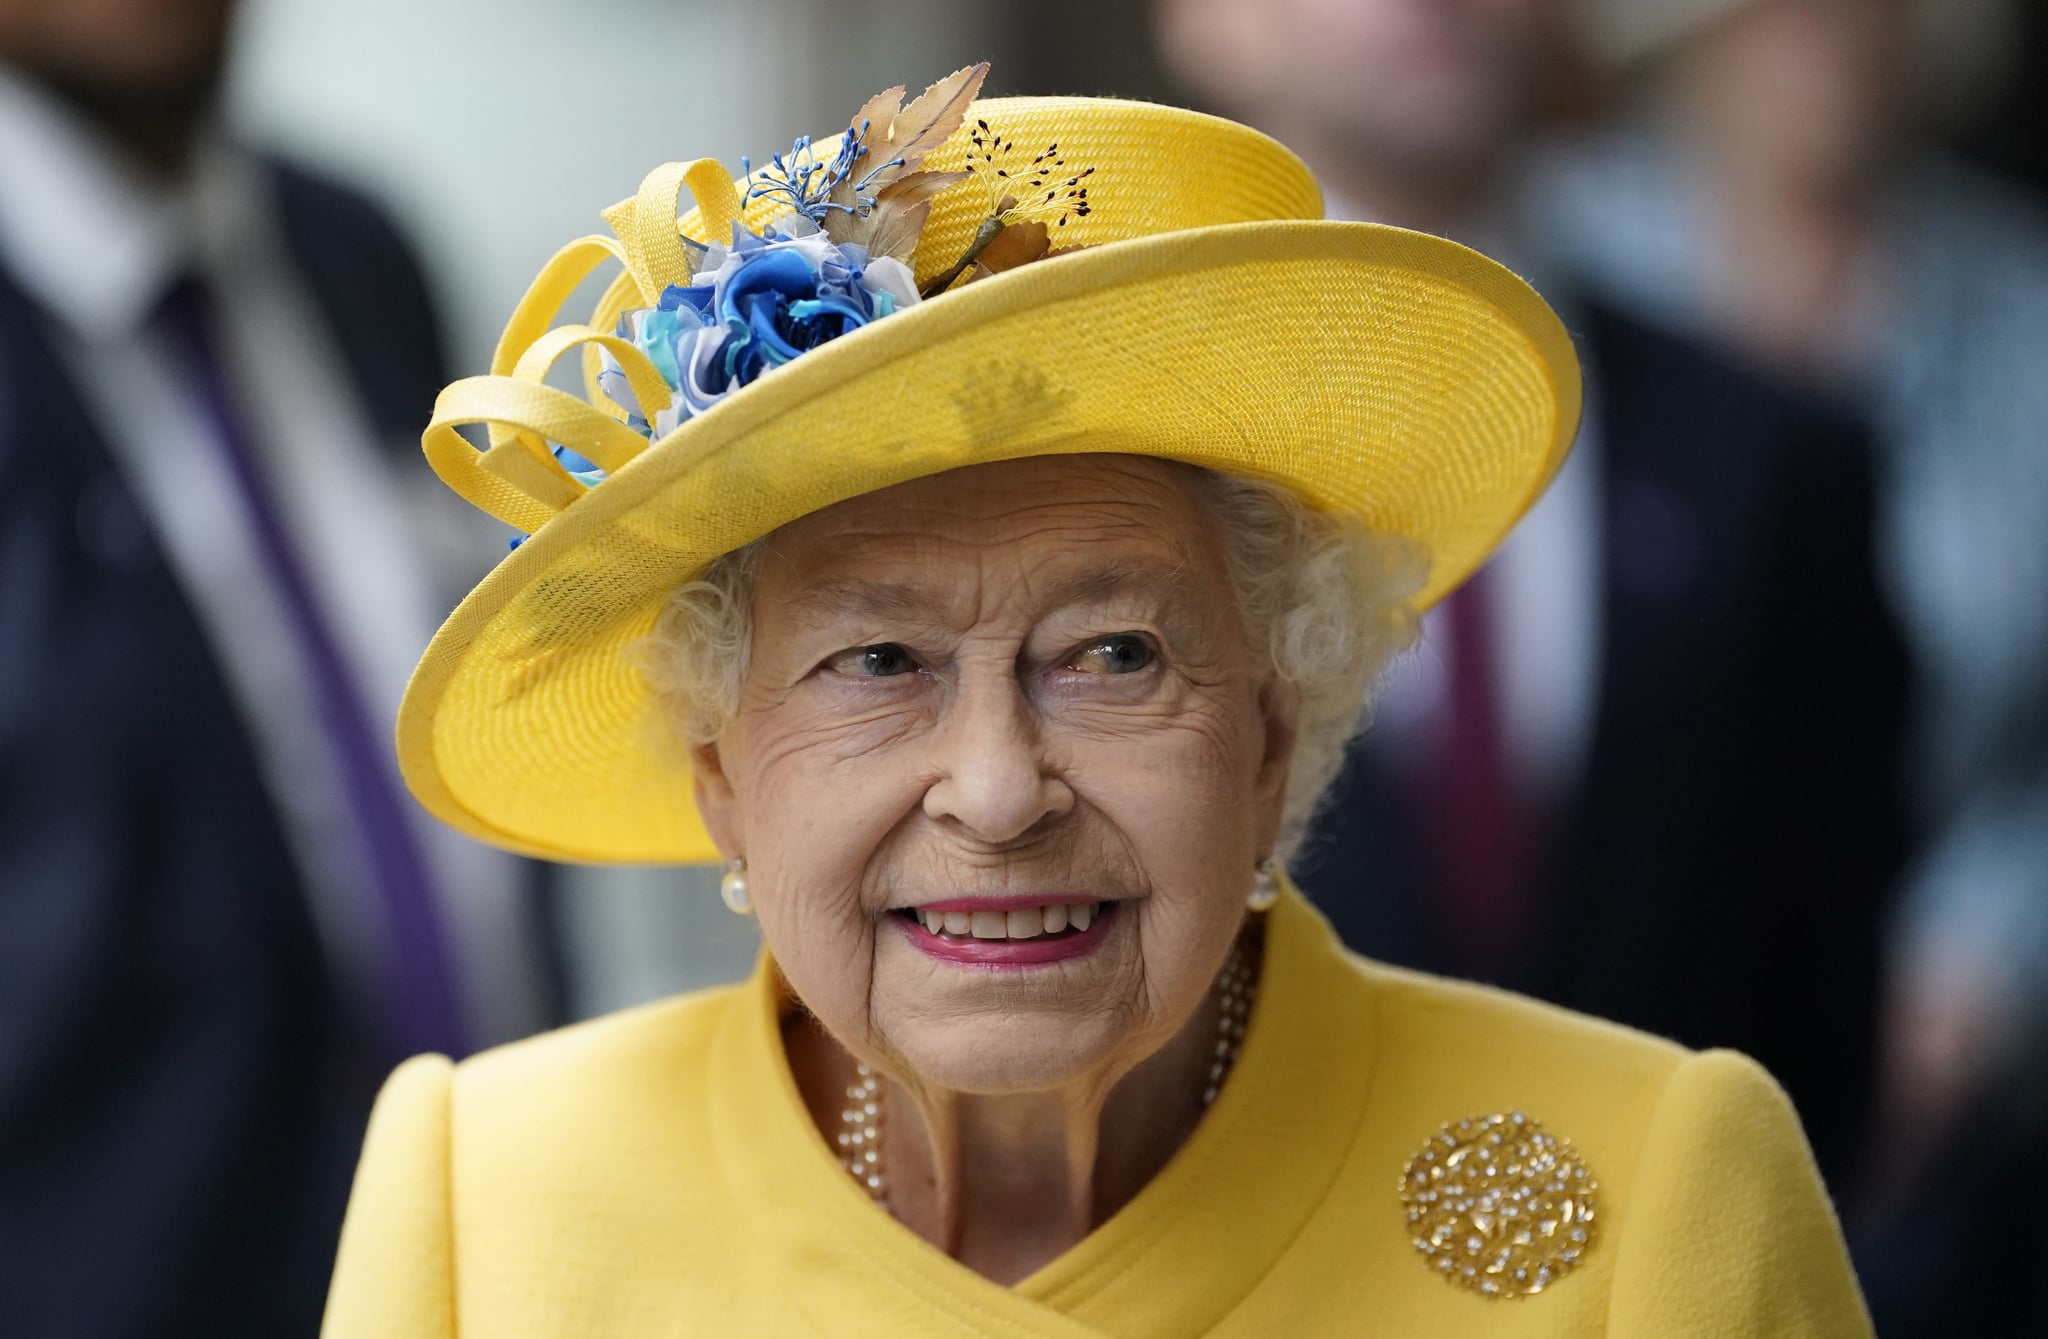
[(1016, 678)]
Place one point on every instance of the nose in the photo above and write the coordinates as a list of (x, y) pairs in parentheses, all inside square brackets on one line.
[(994, 780)]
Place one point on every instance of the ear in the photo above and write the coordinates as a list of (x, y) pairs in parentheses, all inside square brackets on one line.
[(718, 800), (1278, 716)]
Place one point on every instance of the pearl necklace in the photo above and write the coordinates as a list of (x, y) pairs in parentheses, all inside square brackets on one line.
[(860, 1121), (860, 1132)]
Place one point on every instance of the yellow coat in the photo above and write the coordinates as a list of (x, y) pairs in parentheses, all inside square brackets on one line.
[(654, 1173)]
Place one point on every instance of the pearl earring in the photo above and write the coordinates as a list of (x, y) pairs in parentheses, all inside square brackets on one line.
[(733, 888), (1265, 885)]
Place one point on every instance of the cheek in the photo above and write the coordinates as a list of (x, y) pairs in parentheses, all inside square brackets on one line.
[(1181, 787), (814, 806), (1181, 795), (819, 791)]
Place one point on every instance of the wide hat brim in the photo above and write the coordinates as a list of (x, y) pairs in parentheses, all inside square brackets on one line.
[(1383, 374)]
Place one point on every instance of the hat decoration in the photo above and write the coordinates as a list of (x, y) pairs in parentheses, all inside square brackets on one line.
[(839, 258), (1389, 376)]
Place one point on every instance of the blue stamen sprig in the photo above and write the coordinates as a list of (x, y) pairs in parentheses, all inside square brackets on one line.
[(798, 178), (807, 184)]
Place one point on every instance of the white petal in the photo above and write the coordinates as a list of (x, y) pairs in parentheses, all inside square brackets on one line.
[(886, 274)]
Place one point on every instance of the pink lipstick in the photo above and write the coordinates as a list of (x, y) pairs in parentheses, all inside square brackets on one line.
[(1040, 950)]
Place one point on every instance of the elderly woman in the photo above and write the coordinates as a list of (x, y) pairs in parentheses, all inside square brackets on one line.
[(983, 533)]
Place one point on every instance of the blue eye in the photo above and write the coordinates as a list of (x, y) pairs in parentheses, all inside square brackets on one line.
[(1125, 653), (881, 661)]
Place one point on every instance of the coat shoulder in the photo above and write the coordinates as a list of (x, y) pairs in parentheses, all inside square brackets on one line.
[(1423, 1016), (1708, 1216), (593, 1063)]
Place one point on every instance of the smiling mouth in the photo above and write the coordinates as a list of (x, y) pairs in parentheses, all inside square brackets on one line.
[(1053, 920)]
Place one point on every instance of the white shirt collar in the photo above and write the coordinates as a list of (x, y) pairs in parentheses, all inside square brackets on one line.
[(93, 238)]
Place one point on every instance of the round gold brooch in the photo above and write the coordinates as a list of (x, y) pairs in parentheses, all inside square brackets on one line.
[(1499, 1205)]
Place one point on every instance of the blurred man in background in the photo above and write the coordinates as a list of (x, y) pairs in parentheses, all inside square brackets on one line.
[(220, 918), (1666, 753), (1773, 185)]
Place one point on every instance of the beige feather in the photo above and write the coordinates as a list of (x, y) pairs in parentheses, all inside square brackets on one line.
[(918, 186), (879, 113), (931, 120), (897, 138), (872, 124), (907, 133), (893, 229)]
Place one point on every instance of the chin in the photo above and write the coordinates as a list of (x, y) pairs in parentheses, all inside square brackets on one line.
[(1016, 1053)]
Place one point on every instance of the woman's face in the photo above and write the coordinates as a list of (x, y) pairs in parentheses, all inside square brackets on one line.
[(988, 701)]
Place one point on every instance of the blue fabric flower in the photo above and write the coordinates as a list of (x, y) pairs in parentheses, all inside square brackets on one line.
[(749, 309)]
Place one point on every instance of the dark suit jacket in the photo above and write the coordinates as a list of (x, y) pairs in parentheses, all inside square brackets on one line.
[(181, 1092), (1720, 873)]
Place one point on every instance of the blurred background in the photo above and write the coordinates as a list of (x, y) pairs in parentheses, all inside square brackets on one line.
[(1743, 738)]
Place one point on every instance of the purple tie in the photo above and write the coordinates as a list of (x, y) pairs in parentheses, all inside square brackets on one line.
[(419, 1010), (1477, 836)]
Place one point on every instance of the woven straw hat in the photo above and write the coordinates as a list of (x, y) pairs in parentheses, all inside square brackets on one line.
[(1206, 314)]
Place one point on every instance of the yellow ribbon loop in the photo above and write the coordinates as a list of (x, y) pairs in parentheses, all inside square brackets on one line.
[(650, 231), (526, 500), (718, 201), (518, 480), (564, 271), (649, 387), (525, 416), (623, 293), (646, 225), (524, 461), (460, 466)]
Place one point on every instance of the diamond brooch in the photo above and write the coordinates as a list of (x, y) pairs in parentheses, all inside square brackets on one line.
[(1499, 1205)]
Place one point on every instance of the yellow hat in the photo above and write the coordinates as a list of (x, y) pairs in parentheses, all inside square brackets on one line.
[(1194, 306)]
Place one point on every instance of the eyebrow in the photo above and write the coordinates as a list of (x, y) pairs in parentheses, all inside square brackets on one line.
[(875, 599), (1123, 578), (840, 597)]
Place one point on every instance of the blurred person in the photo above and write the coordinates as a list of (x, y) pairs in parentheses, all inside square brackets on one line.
[(1646, 764), (1775, 185), (219, 920), (995, 602)]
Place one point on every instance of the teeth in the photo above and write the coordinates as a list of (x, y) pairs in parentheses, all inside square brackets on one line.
[(1023, 923)]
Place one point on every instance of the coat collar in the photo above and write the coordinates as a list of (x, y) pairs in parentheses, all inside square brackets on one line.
[(1267, 1149)]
